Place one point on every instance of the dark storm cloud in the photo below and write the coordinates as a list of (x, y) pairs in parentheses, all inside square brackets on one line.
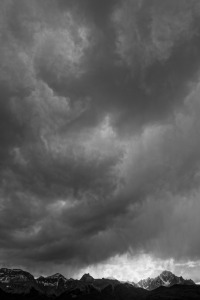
[(74, 77)]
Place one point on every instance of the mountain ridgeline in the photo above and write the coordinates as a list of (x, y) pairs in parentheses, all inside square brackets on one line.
[(18, 284)]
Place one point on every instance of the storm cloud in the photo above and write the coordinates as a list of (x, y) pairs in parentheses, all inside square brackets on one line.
[(99, 131)]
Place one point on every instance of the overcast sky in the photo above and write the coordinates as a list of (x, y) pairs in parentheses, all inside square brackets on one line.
[(99, 137)]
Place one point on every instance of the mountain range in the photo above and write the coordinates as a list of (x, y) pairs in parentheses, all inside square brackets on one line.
[(19, 284), (166, 278)]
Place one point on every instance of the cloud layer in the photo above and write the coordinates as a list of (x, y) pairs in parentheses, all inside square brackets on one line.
[(99, 132)]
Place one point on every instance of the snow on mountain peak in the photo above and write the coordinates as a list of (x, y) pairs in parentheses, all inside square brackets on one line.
[(166, 278)]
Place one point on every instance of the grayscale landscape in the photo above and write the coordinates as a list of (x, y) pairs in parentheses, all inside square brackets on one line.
[(99, 149)]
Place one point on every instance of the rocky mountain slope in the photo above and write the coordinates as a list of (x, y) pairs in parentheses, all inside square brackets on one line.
[(16, 281)]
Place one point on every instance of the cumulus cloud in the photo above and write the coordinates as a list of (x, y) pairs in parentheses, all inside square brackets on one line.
[(99, 127)]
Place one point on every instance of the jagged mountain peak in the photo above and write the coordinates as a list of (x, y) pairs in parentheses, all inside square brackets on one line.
[(166, 278), (16, 280)]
